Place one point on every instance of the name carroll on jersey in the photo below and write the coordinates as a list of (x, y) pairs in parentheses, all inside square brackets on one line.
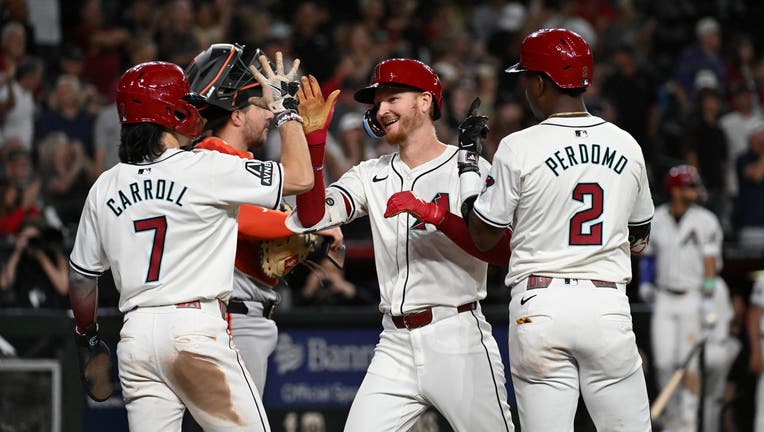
[(150, 189), (596, 154)]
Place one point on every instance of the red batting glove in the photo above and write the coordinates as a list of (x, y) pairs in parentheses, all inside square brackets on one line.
[(407, 202)]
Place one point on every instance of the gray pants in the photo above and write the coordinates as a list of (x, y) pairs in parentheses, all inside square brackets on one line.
[(255, 336)]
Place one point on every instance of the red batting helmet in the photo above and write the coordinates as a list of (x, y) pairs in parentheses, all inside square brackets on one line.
[(158, 92), (682, 175), (561, 54), (402, 72)]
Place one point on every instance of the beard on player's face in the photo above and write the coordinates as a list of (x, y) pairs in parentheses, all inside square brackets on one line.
[(405, 122)]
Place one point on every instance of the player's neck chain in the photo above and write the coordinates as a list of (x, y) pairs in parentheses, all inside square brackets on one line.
[(570, 114)]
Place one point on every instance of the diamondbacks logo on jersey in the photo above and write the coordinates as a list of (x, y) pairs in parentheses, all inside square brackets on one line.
[(262, 170), (691, 238), (489, 181), (441, 200)]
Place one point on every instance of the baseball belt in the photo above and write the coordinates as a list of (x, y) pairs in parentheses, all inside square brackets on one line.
[(239, 307), (536, 282), (424, 317)]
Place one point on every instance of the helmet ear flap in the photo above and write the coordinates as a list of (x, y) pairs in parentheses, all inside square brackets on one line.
[(371, 125)]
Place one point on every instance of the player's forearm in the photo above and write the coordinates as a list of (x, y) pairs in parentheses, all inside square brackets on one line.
[(298, 174), (311, 203), (754, 327), (709, 266), (456, 230), (483, 235), (83, 297)]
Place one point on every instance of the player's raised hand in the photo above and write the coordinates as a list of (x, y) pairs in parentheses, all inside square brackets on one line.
[(471, 129), (407, 202), (279, 88), (316, 112)]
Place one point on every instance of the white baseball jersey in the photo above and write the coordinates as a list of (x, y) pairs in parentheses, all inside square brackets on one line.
[(414, 260), (569, 187), (757, 293), (679, 246), (147, 221)]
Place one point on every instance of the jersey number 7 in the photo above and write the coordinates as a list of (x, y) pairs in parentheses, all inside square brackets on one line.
[(159, 225), (577, 236)]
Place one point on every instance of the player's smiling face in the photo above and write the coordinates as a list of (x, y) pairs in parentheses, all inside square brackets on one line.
[(400, 111)]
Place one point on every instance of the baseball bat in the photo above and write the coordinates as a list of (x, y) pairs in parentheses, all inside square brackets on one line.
[(668, 390)]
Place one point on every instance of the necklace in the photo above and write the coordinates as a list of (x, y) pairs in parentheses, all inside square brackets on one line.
[(570, 114)]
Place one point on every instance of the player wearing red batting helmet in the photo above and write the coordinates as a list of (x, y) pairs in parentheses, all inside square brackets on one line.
[(154, 220), (574, 190)]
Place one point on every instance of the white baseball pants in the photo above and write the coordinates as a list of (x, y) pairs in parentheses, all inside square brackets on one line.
[(452, 364), (174, 357), (573, 337)]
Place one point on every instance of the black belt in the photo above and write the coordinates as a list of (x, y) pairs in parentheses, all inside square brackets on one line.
[(239, 307)]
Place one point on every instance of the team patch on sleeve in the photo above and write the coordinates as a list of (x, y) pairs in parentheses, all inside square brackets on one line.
[(261, 170)]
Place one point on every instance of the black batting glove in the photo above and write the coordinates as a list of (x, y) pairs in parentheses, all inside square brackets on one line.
[(471, 129)]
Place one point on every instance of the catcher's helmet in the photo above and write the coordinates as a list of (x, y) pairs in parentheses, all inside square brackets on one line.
[(682, 175), (402, 72), (158, 92), (561, 54), (222, 78)]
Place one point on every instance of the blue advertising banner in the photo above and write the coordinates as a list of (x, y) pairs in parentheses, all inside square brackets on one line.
[(322, 368)]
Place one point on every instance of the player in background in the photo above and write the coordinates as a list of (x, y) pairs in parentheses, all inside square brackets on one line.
[(755, 327), (574, 190), (436, 348), (221, 75), (156, 219), (679, 272)]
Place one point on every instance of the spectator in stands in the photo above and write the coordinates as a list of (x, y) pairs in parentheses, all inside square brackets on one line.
[(706, 147), (749, 212), (65, 177), (12, 47), (736, 125), (632, 92), (16, 206), (702, 55), (66, 114), (37, 269), (176, 38), (18, 121), (102, 46), (348, 149), (310, 42), (740, 66)]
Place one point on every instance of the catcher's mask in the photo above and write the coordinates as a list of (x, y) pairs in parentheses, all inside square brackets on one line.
[(221, 76)]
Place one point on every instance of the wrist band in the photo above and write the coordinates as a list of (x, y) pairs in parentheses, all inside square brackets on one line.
[(709, 284), (286, 116)]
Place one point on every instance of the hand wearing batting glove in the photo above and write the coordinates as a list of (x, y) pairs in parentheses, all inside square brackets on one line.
[(407, 202), (279, 89), (316, 113), (95, 363), (470, 130)]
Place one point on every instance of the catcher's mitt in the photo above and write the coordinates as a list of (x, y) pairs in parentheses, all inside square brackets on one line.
[(278, 257)]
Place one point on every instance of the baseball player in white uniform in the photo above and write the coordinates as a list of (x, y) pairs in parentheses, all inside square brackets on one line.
[(682, 261), (574, 190), (221, 75), (755, 336), (436, 348), (164, 220)]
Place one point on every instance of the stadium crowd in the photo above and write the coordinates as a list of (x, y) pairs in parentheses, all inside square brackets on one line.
[(685, 78)]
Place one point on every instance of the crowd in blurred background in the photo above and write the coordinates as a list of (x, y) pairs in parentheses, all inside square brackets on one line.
[(685, 78)]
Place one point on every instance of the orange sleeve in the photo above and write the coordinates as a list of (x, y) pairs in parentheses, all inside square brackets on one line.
[(255, 223), (258, 223), (248, 261)]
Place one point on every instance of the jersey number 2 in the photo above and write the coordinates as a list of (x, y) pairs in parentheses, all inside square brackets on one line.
[(157, 224), (577, 235)]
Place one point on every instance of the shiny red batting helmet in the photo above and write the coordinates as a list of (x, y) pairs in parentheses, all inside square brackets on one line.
[(681, 176), (403, 72), (158, 92), (563, 55)]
